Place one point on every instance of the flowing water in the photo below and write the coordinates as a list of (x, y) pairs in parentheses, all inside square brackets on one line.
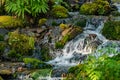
[(88, 42)]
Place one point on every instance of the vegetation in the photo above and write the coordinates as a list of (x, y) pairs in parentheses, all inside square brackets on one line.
[(22, 7), (59, 11), (41, 73), (45, 56), (10, 22), (21, 43), (2, 47), (35, 63), (98, 68), (111, 30), (98, 7)]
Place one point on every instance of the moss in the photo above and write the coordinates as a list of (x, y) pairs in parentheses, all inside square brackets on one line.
[(21, 43), (45, 54), (115, 13), (63, 26), (111, 30), (81, 23), (10, 22), (41, 73), (1, 38), (59, 11), (42, 21), (1, 78), (35, 63), (13, 54), (2, 47), (98, 7), (74, 31)]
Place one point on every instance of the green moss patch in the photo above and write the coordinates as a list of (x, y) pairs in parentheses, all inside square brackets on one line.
[(10, 22), (111, 30)]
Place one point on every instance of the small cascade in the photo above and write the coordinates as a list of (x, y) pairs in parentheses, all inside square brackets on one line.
[(77, 49)]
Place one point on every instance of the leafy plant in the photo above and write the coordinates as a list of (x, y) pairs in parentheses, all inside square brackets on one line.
[(101, 67), (23, 7)]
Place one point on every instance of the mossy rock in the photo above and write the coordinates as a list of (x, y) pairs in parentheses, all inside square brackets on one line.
[(71, 33), (36, 63), (111, 30), (5, 72), (98, 7), (42, 21), (45, 54), (10, 22), (21, 43), (41, 73), (59, 11)]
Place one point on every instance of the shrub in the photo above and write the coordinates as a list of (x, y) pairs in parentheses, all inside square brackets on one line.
[(59, 11), (100, 68), (21, 43), (111, 30), (98, 7), (35, 63), (21, 7), (10, 22)]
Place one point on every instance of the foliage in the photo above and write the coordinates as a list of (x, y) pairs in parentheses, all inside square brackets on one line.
[(21, 43), (59, 11), (2, 5), (35, 63), (101, 67), (63, 26), (2, 47), (41, 73), (23, 7), (13, 54), (1, 37), (98, 7), (115, 13), (10, 22), (1, 78), (45, 54), (42, 21), (111, 30)]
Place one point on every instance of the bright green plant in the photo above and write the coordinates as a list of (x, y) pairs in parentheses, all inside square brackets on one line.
[(101, 67), (59, 11), (23, 7), (21, 43)]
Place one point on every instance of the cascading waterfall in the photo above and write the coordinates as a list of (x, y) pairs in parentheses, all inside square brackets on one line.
[(77, 49)]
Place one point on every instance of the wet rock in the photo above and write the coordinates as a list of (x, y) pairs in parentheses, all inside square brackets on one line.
[(59, 72)]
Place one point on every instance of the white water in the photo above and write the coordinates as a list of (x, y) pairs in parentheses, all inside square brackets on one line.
[(77, 49)]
